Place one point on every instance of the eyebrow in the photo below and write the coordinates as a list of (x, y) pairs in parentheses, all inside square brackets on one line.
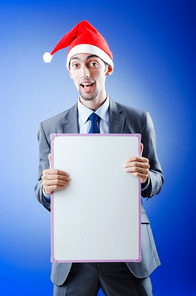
[(88, 57), (92, 56)]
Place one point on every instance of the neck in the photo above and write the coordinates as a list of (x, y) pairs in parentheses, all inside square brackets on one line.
[(95, 103)]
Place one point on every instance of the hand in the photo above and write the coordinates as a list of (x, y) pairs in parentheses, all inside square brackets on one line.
[(138, 166), (54, 179)]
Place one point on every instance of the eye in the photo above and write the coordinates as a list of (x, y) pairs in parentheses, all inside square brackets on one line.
[(75, 65), (93, 64)]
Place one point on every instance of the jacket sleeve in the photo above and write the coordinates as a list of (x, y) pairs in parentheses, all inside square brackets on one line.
[(44, 150), (155, 179)]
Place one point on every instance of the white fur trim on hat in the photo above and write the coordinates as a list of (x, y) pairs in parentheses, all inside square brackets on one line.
[(88, 48)]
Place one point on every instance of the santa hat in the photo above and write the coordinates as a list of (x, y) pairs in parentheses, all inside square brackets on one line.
[(83, 38)]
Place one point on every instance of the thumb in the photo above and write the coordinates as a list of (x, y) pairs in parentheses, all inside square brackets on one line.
[(49, 158), (142, 147)]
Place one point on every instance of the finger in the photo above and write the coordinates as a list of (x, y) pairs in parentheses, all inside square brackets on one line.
[(50, 189), (56, 182), (143, 177), (140, 164), (137, 158), (54, 172), (139, 170), (52, 185), (55, 177)]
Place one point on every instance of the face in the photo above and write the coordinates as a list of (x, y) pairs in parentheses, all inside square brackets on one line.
[(89, 73)]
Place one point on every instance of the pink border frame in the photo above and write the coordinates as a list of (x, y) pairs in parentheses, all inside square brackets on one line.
[(52, 137)]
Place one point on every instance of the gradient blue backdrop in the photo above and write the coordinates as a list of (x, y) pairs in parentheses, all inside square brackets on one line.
[(153, 43)]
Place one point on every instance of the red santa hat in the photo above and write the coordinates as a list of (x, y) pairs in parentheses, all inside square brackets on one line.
[(83, 38)]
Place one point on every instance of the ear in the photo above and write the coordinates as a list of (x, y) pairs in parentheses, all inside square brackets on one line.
[(109, 70), (70, 74)]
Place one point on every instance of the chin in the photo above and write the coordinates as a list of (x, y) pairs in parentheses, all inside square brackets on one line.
[(87, 97)]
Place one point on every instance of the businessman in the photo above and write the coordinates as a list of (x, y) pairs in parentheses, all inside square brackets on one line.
[(90, 61)]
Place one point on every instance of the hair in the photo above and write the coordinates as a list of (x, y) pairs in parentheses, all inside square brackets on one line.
[(106, 64)]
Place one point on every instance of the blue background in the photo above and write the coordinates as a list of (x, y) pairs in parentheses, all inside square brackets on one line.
[(153, 43)]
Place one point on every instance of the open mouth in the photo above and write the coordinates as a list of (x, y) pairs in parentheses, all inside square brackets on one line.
[(87, 85)]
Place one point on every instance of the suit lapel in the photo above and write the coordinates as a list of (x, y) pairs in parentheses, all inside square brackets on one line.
[(116, 118), (70, 124)]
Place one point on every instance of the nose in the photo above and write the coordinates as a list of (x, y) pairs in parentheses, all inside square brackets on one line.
[(84, 72)]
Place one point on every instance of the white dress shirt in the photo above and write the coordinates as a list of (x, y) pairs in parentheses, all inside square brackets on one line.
[(84, 113)]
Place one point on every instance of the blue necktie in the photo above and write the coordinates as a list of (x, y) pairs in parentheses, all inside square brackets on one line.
[(93, 118)]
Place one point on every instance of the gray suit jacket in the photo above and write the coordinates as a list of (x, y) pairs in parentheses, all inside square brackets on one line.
[(122, 119)]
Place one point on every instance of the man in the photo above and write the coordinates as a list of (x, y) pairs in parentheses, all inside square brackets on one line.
[(89, 61)]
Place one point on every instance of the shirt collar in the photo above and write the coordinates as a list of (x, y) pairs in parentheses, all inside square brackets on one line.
[(102, 112)]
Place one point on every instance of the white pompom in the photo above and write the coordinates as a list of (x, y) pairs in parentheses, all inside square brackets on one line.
[(47, 57)]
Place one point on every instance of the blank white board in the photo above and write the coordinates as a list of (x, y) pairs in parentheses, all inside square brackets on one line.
[(97, 217)]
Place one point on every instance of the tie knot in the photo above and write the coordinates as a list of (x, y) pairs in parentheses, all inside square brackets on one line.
[(93, 117)]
